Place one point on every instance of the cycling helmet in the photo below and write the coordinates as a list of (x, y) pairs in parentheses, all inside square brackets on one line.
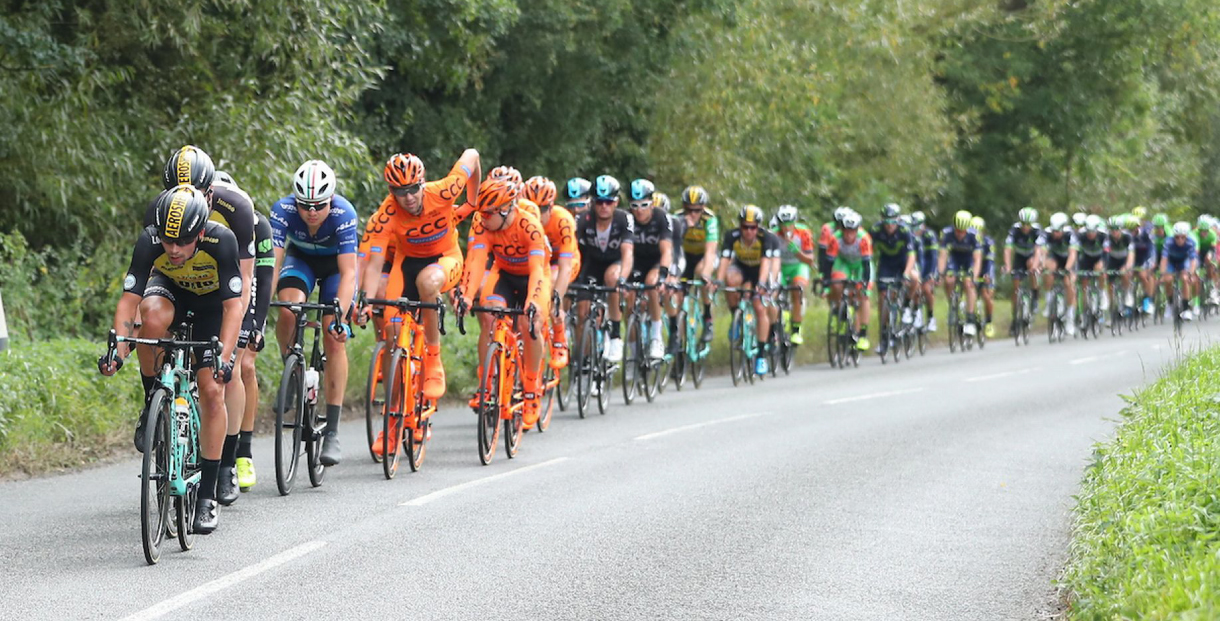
[(1181, 228), (661, 200), (786, 213), (579, 188), (1027, 215), (1079, 219), (181, 213), (506, 172), (750, 214), (313, 183), (403, 169), (891, 211), (1118, 222), (642, 189), (694, 195), (978, 223), (918, 218), (497, 194), (1140, 212), (905, 220), (1059, 220), (961, 220), (541, 191), (840, 212), (1132, 222), (1160, 220), (606, 188), (852, 220), (224, 177), (189, 165), (1092, 222), (1204, 222)]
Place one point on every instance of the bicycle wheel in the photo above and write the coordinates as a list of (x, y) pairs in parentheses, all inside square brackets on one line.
[(736, 350), (678, 365), (514, 425), (1052, 318), (921, 336), (1026, 319), (954, 328), (630, 366), (373, 410), (604, 378), (155, 474), (653, 377), (550, 396), (289, 416), (184, 507), (832, 336), (788, 355), (566, 388), (396, 386), (489, 404), (315, 427)]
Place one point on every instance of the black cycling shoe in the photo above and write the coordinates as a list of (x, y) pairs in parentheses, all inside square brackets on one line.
[(331, 453), (226, 486), (206, 516), (139, 437)]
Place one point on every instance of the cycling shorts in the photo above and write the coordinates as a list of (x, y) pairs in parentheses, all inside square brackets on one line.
[(887, 271), (846, 270), (206, 314), (1113, 264), (1173, 267), (1021, 261), (959, 262), (594, 272), (927, 267), (303, 272), (987, 274), (749, 274), (641, 269), (512, 290), (791, 273)]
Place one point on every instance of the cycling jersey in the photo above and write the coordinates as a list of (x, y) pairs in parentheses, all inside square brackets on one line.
[(1143, 247), (428, 234), (678, 223), (648, 237), (260, 286), (231, 207), (961, 251), (1059, 247), (987, 269), (337, 234), (1093, 248), (891, 249), (1206, 240), (366, 242), (212, 272), (561, 233), (1120, 247), (791, 245), (929, 253), (604, 247), (851, 261), (517, 249), (1022, 242), (696, 236), (1178, 255), (766, 246)]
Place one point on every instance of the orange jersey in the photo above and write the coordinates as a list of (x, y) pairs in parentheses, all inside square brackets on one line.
[(366, 244), (429, 234), (561, 232), (519, 249)]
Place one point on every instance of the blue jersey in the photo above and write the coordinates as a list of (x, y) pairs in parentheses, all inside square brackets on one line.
[(338, 234), (892, 249), (1180, 254), (960, 249), (988, 251)]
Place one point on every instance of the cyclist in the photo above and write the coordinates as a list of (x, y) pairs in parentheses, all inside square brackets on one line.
[(987, 282), (232, 208), (851, 253), (1205, 236), (314, 233), (183, 264), (796, 258), (1079, 219), (519, 276), (894, 251), (1061, 248), (1024, 246), (362, 263), (579, 193), (746, 261), (417, 217), (560, 228), (825, 235), (1180, 254), (700, 245), (1120, 257), (961, 252), (1142, 248), (1091, 242), (653, 255), (928, 258), (606, 238), (672, 303)]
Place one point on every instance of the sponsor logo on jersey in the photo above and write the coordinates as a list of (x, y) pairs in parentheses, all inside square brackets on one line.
[(235, 284), (129, 283)]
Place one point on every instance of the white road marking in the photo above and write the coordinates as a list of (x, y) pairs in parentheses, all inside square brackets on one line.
[(876, 395), (441, 493), (224, 582), (983, 378), (731, 419), (1117, 354)]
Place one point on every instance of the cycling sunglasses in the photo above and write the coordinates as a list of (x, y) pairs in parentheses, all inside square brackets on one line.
[(313, 206), (749, 227), (641, 204), (606, 201), (406, 190)]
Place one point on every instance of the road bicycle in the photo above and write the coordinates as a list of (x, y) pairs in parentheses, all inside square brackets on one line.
[(590, 372), (840, 325), (1023, 310), (782, 351), (171, 465), (299, 422), (958, 338), (743, 336), (1088, 305), (406, 415), (501, 396), (895, 332), (553, 382), (1056, 310), (1121, 315), (689, 352), (640, 373)]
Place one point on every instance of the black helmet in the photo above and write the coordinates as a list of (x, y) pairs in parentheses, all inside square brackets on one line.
[(694, 195), (891, 211), (189, 165), (182, 213), (607, 188), (224, 177), (579, 188)]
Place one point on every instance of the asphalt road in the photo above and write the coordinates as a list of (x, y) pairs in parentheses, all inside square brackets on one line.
[(939, 488)]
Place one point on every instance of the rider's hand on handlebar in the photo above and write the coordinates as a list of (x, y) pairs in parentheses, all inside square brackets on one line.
[(223, 373), (109, 364), (341, 331)]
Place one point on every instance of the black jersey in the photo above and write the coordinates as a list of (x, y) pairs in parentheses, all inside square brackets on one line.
[(648, 236), (766, 245), (264, 267), (233, 208), (604, 247), (211, 273), (1092, 247), (1022, 242)]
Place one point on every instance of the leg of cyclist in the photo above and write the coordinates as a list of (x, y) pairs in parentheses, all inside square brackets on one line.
[(988, 286), (657, 337), (431, 282), (156, 316), (614, 349), (704, 269), (245, 456)]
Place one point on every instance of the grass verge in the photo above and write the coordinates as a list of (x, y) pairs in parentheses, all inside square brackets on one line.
[(1146, 543)]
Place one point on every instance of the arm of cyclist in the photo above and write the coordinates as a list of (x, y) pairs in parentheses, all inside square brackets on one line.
[(347, 291), (977, 265), (476, 262), (709, 260), (942, 261), (627, 251)]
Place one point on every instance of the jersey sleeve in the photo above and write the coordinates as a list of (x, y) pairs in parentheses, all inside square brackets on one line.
[(713, 229), (832, 247), (476, 256), (264, 265), (237, 204), (379, 231), (146, 250), (279, 223), (567, 234), (730, 239), (667, 229), (628, 229), (449, 188), (535, 240), (806, 237), (348, 227), (227, 269), (866, 246), (772, 246)]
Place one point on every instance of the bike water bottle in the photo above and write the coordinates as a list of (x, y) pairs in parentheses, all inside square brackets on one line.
[(311, 386), (182, 411)]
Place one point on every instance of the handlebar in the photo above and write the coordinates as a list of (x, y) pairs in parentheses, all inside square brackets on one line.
[(406, 305), (503, 311), (169, 344)]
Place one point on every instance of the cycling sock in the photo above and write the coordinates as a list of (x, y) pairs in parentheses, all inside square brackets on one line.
[(930, 312), (149, 382), (228, 455), (332, 418), (244, 440), (614, 329), (673, 325), (656, 330), (794, 327), (207, 479), (989, 317), (707, 313)]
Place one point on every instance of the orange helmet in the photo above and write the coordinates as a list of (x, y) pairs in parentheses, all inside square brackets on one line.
[(540, 190), (404, 169), (497, 195), (506, 172)]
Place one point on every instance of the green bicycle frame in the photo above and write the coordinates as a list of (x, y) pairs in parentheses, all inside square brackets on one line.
[(176, 380)]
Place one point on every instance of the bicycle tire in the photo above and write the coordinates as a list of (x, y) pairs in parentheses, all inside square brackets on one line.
[(604, 375), (832, 336), (289, 419), (373, 410), (954, 328), (678, 366), (185, 509), (567, 390), (155, 474), (550, 396), (514, 425), (392, 424), (583, 368), (736, 350), (698, 365), (489, 405), (1052, 318), (630, 366), (315, 426)]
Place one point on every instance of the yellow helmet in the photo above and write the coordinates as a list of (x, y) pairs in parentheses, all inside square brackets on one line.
[(978, 223), (961, 220), (750, 214)]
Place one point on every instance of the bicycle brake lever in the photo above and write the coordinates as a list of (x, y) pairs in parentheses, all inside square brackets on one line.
[(440, 314)]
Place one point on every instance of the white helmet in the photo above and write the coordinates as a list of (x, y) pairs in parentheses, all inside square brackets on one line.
[(1092, 222), (1079, 218), (840, 212), (1181, 228), (314, 182), (786, 213), (1058, 220), (852, 220)]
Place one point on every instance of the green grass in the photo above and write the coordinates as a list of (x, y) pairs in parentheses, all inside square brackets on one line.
[(1146, 543)]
